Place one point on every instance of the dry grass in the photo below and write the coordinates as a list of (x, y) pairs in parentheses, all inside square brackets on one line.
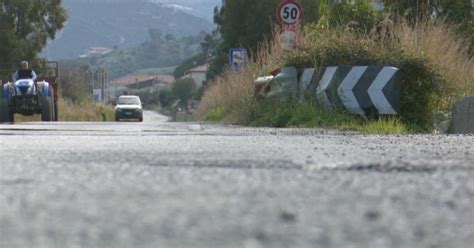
[(87, 111), (69, 111), (229, 92), (233, 92), (444, 59), (437, 42)]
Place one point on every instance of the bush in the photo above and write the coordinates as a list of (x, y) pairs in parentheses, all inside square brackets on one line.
[(74, 82), (165, 97), (431, 81), (436, 70), (184, 89)]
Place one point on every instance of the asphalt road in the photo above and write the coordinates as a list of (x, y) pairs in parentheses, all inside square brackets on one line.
[(162, 184)]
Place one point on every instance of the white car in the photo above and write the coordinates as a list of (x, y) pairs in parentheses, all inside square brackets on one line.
[(129, 107)]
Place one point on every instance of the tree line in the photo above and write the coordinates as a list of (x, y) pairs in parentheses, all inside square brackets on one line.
[(246, 23)]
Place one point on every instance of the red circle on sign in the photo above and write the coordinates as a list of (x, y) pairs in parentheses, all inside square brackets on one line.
[(289, 12)]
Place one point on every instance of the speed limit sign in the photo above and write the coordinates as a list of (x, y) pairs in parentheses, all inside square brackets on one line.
[(289, 12)]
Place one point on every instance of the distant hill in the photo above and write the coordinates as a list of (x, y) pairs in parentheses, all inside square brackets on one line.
[(119, 24), (201, 8), (157, 55)]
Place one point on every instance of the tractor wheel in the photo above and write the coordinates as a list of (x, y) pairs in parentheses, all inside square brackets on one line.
[(5, 115), (47, 106)]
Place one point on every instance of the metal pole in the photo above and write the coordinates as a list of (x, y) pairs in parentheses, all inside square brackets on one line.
[(472, 8), (105, 85), (102, 79), (101, 84), (93, 83), (106, 79)]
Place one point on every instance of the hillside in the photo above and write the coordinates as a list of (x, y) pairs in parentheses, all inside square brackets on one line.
[(157, 52), (201, 8), (118, 23)]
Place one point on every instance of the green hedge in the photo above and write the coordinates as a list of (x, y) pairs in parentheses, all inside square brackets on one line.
[(423, 90)]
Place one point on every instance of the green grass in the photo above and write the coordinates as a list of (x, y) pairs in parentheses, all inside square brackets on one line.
[(183, 117), (311, 115), (385, 125), (215, 115)]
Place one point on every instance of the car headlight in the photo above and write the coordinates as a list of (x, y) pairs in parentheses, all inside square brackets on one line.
[(138, 110), (118, 110)]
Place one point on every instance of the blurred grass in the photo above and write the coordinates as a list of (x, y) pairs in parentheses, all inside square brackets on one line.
[(70, 111)]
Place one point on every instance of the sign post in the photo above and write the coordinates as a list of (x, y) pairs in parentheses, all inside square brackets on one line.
[(289, 13), (288, 37), (97, 95)]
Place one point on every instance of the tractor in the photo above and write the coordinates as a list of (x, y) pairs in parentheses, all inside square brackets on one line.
[(26, 97)]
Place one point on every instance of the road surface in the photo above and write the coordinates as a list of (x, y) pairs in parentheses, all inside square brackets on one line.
[(163, 184)]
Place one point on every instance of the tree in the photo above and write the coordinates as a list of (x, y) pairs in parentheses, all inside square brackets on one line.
[(169, 37), (165, 96), (247, 23), (197, 60), (26, 26), (208, 46), (155, 34), (345, 12), (453, 10), (184, 89), (75, 81)]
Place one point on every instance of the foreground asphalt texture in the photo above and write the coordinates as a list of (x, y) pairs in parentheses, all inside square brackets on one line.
[(162, 184)]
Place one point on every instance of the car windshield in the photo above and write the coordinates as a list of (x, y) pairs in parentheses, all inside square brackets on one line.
[(129, 101)]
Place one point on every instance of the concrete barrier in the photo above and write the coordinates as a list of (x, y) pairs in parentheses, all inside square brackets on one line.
[(463, 116), (283, 85), (363, 90)]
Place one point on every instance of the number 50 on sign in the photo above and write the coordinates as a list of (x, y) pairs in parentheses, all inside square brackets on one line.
[(289, 12)]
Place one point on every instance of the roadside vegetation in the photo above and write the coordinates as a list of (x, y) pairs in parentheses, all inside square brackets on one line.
[(75, 103), (17, 44), (434, 55), (157, 55), (73, 111)]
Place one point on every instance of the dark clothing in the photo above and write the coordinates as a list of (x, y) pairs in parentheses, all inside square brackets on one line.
[(25, 74)]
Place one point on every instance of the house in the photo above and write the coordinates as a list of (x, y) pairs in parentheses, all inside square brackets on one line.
[(96, 51), (198, 74), (131, 81)]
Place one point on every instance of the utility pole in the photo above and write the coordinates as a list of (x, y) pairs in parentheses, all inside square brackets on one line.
[(100, 78), (472, 8)]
